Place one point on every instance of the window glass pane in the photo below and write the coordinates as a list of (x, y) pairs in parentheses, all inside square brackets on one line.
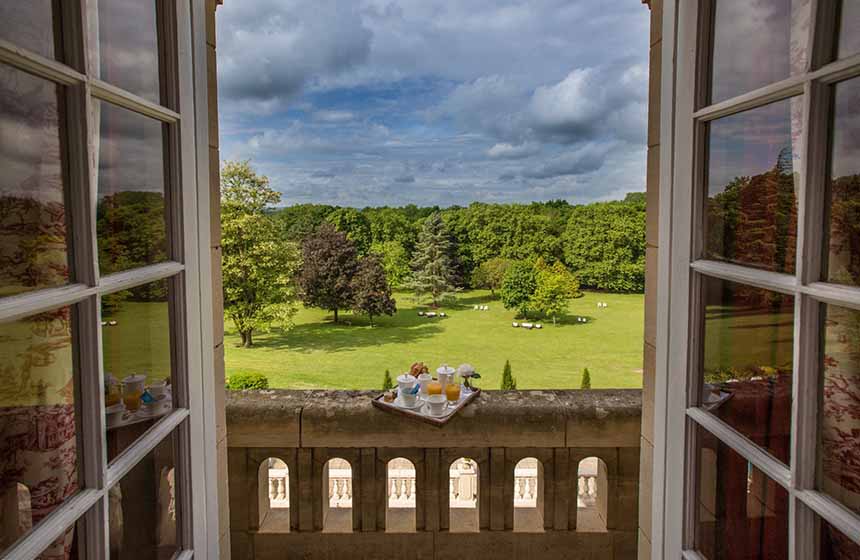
[(144, 508), (31, 25), (136, 353), (33, 252), (742, 513), (748, 347), (751, 212), (843, 260), (38, 437), (839, 438), (131, 217), (756, 43), (128, 46), (849, 29), (835, 545)]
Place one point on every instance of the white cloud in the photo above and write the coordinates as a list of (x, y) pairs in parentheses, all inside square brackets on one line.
[(509, 151)]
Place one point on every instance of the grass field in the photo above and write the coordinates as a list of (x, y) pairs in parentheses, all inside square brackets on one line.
[(317, 353)]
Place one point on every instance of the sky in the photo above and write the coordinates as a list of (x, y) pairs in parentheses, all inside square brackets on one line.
[(436, 102)]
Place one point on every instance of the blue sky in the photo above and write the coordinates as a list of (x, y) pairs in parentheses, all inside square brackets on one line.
[(384, 102)]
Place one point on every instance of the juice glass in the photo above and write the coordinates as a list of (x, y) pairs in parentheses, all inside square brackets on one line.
[(452, 391), (434, 388)]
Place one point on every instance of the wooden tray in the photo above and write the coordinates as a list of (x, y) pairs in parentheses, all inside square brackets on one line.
[(417, 413)]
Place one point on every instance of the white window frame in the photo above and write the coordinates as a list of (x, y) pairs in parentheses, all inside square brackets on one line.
[(193, 417), (681, 268)]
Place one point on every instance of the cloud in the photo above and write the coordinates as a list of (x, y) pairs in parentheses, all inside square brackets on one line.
[(582, 160), (375, 102), (509, 151), (333, 116)]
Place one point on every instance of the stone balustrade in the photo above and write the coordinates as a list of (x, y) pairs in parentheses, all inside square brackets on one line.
[(521, 474)]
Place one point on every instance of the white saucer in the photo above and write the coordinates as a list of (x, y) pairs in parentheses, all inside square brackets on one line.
[(401, 404), (428, 411)]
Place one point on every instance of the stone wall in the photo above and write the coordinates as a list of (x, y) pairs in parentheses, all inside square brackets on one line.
[(652, 243), (304, 429)]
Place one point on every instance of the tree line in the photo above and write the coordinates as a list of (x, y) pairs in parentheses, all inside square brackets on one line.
[(535, 256)]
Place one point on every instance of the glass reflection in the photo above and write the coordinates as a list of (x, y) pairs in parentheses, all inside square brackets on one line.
[(143, 508), (742, 513), (33, 251), (835, 545), (839, 436), (38, 437), (849, 23), (128, 46), (131, 219), (748, 356), (33, 25), (751, 211), (843, 259), (137, 366), (756, 43)]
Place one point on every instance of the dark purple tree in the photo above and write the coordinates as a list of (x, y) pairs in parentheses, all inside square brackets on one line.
[(329, 263), (371, 292)]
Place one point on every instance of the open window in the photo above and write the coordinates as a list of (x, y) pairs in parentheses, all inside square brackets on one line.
[(463, 496), (401, 500)]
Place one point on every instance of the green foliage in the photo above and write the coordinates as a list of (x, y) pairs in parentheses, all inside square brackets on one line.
[(258, 264), (509, 382), (247, 380), (431, 262), (370, 290), (329, 263), (355, 225), (518, 287), (586, 379), (605, 244), (387, 383), (395, 261), (555, 286), (490, 274)]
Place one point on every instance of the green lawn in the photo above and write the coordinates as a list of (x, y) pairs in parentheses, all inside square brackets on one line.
[(316, 353)]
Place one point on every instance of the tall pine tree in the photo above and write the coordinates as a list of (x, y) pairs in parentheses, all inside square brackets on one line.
[(431, 262)]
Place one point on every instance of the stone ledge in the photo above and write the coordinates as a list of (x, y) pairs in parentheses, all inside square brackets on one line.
[(549, 418)]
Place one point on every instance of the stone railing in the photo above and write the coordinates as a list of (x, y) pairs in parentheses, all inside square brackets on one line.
[(528, 474)]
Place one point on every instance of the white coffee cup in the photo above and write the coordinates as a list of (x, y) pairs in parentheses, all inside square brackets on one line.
[(423, 380), (408, 398), (445, 374), (437, 404), (405, 382)]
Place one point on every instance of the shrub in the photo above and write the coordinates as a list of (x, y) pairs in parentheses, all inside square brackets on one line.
[(387, 383), (247, 380), (586, 380), (509, 382)]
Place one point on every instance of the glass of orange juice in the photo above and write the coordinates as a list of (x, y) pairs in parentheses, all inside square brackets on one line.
[(452, 391), (434, 388), (132, 390)]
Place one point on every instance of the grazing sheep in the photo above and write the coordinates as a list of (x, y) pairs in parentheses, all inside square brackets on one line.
[(420, 313), (476, 308), (431, 314), (515, 324), (442, 314), (538, 326)]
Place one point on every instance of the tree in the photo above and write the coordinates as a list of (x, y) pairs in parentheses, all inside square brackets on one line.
[(329, 264), (431, 263), (555, 286), (355, 225), (586, 380), (490, 274), (509, 382), (370, 290), (387, 383), (395, 261), (518, 287), (257, 264)]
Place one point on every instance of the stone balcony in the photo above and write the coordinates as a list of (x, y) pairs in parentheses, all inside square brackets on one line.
[(521, 474)]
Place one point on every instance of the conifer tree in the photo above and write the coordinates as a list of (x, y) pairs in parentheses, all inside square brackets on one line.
[(586, 380), (509, 382), (387, 383), (431, 263)]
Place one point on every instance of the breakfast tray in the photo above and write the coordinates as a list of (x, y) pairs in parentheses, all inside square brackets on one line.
[(419, 414)]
